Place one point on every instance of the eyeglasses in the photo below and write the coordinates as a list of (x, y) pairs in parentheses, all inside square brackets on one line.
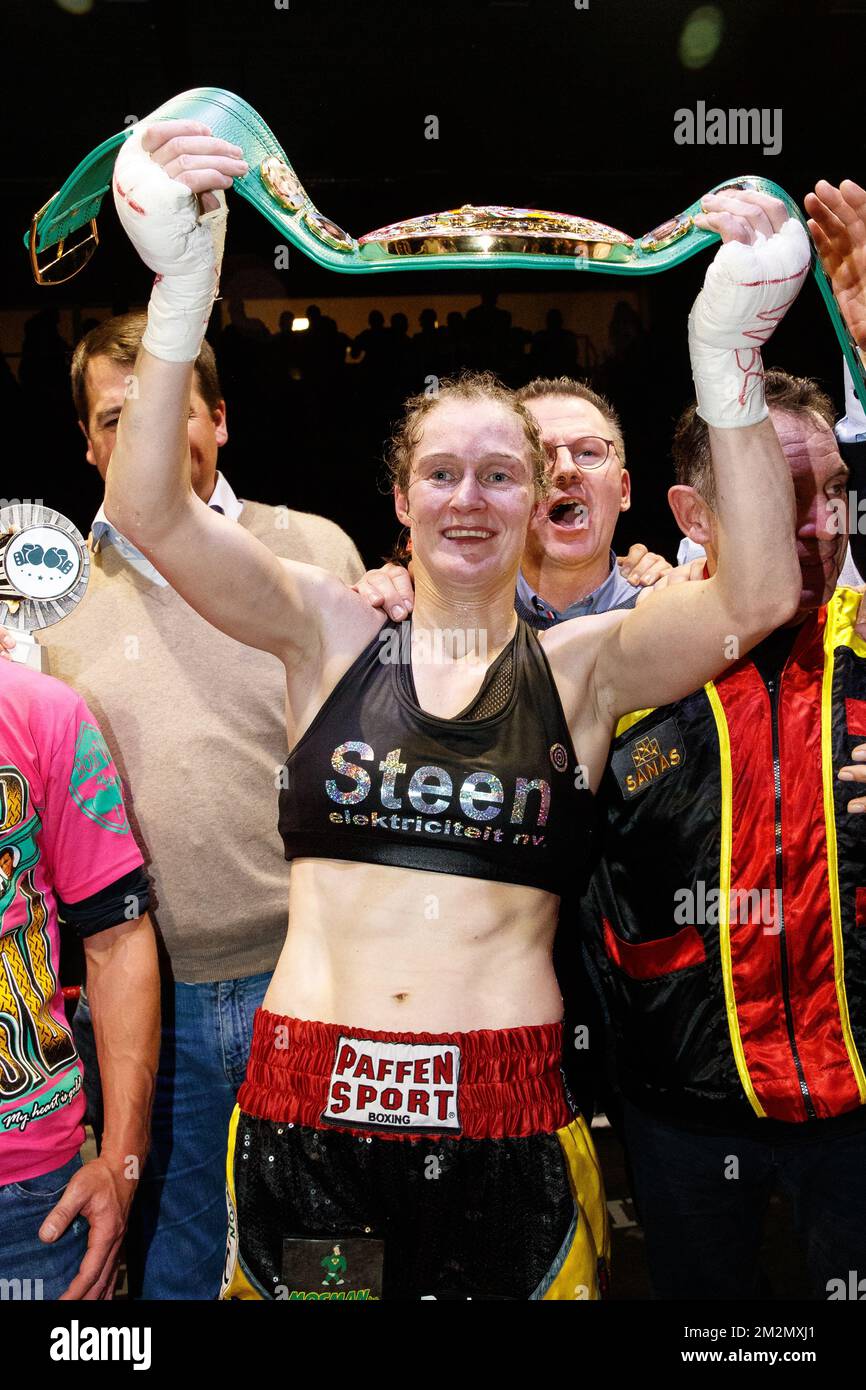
[(66, 261), (587, 454)]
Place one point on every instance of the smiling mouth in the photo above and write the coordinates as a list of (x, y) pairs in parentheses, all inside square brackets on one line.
[(467, 533), (570, 514)]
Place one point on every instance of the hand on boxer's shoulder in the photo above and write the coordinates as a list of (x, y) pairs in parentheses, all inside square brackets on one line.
[(689, 573), (641, 566), (389, 587)]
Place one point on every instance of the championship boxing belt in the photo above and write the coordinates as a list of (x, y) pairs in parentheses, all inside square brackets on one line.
[(497, 237), (44, 569)]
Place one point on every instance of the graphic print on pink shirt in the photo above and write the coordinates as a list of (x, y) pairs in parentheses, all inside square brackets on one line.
[(63, 832)]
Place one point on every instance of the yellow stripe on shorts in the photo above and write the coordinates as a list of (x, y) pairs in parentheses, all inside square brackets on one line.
[(574, 1274), (235, 1283)]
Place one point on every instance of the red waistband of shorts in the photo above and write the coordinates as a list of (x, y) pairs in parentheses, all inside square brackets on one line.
[(510, 1082)]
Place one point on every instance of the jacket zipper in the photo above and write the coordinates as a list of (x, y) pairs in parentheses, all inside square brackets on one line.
[(773, 689)]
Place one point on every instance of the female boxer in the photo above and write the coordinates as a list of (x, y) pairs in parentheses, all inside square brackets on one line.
[(403, 1101)]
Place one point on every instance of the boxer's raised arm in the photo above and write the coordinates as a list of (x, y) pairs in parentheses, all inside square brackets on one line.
[(671, 646), (668, 647), (226, 574)]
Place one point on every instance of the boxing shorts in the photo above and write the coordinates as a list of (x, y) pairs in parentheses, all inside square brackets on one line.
[(364, 1165)]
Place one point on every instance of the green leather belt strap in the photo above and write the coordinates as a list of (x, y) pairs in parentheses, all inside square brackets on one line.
[(468, 237)]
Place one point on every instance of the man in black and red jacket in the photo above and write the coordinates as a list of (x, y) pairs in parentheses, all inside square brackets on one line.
[(729, 914)]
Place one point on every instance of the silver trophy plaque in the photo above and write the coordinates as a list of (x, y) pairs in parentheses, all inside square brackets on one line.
[(44, 569)]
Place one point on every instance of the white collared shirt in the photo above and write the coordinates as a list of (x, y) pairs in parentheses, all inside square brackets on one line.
[(104, 533)]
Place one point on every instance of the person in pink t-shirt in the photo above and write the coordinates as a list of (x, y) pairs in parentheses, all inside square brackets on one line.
[(67, 853)]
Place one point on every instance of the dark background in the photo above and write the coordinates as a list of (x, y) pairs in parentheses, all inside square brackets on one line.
[(538, 104)]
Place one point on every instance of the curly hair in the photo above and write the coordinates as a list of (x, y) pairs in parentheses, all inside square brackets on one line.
[(469, 386)]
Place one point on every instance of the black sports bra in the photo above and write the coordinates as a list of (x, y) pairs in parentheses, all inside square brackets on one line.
[(377, 779)]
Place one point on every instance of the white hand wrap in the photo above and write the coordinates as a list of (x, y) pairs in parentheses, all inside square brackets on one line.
[(747, 290), (161, 217)]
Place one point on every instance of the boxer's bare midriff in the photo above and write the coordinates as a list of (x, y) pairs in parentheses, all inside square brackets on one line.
[(406, 950)]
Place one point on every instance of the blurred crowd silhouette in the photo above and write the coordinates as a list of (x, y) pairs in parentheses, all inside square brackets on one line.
[(309, 411)]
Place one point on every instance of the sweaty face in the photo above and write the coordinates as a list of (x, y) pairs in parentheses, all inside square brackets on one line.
[(107, 384), (470, 493), (820, 491), (576, 521)]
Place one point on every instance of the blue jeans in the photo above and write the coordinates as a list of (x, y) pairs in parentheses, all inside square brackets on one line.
[(703, 1214), (30, 1269), (176, 1239)]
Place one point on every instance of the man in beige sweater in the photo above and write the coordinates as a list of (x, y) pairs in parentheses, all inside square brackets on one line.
[(195, 722)]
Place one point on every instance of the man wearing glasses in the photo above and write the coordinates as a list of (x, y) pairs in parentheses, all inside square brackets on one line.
[(569, 568)]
